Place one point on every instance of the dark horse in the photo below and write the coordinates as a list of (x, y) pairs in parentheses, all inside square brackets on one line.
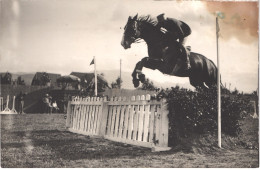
[(164, 54)]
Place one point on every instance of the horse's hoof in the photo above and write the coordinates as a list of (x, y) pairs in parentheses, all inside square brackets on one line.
[(136, 83), (142, 78)]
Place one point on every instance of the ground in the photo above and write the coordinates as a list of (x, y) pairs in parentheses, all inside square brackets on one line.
[(42, 141)]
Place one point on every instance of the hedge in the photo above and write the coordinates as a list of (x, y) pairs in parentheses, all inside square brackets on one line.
[(196, 112)]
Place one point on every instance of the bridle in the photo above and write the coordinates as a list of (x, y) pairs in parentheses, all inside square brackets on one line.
[(137, 32)]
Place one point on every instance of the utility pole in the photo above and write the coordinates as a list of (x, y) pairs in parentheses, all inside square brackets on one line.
[(95, 67), (120, 74), (219, 90), (95, 73)]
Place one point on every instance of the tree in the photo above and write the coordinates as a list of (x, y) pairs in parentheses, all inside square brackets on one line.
[(148, 85), (20, 81), (117, 83), (44, 79), (235, 91), (101, 84), (7, 78), (254, 93)]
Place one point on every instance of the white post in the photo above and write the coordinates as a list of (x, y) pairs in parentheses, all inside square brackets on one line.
[(13, 109), (7, 103), (219, 90), (95, 75)]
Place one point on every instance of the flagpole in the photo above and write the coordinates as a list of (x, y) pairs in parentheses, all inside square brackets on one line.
[(95, 71), (120, 73), (219, 90)]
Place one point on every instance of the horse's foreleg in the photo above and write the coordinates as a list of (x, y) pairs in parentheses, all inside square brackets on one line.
[(137, 70), (148, 63)]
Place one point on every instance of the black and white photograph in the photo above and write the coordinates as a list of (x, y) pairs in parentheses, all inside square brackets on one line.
[(129, 83)]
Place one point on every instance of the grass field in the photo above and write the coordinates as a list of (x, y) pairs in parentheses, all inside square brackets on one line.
[(41, 141)]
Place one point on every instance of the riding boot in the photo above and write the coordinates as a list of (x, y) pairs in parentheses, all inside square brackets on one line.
[(187, 64), (186, 58)]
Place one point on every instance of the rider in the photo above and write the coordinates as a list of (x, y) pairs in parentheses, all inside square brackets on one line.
[(177, 30)]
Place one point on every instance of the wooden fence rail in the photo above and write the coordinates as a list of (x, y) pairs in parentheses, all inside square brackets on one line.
[(137, 121)]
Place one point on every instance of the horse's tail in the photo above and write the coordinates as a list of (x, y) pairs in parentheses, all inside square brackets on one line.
[(221, 84), (215, 77), (216, 74)]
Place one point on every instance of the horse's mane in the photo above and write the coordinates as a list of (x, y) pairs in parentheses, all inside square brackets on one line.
[(148, 19)]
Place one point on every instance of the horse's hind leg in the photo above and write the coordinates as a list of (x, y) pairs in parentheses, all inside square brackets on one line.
[(209, 84), (194, 82), (197, 84), (203, 86)]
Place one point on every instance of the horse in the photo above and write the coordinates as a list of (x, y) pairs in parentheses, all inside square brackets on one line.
[(165, 53)]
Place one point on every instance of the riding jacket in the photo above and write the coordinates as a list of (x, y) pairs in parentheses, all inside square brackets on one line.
[(176, 29)]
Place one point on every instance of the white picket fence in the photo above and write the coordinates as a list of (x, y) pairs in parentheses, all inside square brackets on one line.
[(84, 115), (137, 121)]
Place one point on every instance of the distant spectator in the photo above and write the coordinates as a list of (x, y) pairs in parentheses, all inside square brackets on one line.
[(20, 81), (55, 107), (65, 102), (20, 99), (77, 86), (47, 103)]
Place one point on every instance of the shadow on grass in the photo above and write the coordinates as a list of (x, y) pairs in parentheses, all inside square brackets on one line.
[(71, 146)]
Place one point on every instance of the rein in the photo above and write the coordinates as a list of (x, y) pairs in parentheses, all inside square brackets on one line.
[(140, 40)]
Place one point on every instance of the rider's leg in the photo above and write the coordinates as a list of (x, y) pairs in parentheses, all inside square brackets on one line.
[(185, 53)]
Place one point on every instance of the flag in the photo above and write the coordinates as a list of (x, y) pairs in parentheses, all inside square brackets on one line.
[(92, 62), (217, 27), (220, 15)]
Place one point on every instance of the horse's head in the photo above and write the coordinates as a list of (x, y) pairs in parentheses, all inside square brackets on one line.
[(132, 32), (142, 27)]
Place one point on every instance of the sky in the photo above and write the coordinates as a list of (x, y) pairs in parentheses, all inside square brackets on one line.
[(61, 36)]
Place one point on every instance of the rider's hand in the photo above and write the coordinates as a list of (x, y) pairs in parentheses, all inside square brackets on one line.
[(163, 30)]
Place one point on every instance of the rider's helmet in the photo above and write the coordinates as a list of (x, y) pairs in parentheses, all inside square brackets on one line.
[(160, 17), (161, 20)]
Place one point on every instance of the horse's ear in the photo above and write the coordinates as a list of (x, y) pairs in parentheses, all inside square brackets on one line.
[(135, 17), (129, 17)]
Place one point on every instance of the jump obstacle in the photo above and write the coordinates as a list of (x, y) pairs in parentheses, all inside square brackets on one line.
[(7, 110), (136, 121)]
